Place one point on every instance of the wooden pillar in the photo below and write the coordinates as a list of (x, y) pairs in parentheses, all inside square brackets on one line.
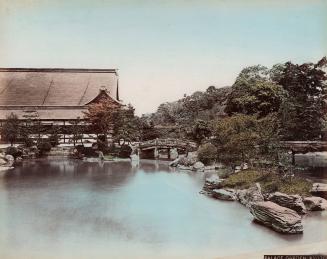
[(156, 152), (64, 131)]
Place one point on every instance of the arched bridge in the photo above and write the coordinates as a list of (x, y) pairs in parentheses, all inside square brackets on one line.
[(161, 148)]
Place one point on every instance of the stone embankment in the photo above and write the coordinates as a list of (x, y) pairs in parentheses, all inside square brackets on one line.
[(279, 211)]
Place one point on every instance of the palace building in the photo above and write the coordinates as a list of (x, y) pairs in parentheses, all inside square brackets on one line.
[(54, 96)]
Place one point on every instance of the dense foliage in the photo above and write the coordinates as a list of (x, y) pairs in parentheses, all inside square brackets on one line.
[(296, 92), (207, 153), (303, 113), (10, 129), (254, 92), (205, 106)]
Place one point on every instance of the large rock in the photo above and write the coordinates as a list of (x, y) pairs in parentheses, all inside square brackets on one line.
[(281, 219), (198, 166), (224, 194), (3, 161), (248, 196), (6, 160), (293, 202), (175, 162), (315, 203), (192, 157), (319, 189), (9, 158), (211, 183)]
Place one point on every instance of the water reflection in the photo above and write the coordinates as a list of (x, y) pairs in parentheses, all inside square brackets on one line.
[(74, 209)]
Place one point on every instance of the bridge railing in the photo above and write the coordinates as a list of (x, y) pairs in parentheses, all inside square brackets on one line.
[(168, 142)]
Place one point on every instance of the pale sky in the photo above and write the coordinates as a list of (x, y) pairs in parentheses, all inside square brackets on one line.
[(162, 49)]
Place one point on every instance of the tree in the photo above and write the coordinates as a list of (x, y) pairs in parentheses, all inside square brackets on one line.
[(236, 138), (303, 112), (207, 153), (199, 131), (11, 128), (75, 129), (246, 138), (148, 131), (126, 126), (100, 115), (254, 92), (32, 125)]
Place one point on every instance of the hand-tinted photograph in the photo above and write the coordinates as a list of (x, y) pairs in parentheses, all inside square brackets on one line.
[(163, 129)]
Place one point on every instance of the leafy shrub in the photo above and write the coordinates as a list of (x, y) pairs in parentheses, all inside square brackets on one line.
[(80, 148), (269, 181), (89, 152), (125, 151), (187, 161), (44, 147), (207, 153), (28, 142), (54, 140)]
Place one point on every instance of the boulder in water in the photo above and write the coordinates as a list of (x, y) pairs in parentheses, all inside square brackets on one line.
[(224, 194), (211, 183), (198, 166), (315, 203), (280, 219)]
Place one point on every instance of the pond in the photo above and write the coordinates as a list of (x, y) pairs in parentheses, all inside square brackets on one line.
[(73, 209)]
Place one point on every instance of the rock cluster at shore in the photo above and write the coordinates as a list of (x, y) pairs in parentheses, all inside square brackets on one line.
[(279, 211), (189, 162)]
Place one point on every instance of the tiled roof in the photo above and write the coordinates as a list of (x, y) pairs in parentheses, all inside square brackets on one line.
[(55, 87)]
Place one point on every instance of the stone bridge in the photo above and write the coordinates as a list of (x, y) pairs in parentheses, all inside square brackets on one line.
[(305, 146), (165, 148)]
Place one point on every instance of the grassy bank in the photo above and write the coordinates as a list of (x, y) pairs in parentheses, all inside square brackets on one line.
[(269, 181)]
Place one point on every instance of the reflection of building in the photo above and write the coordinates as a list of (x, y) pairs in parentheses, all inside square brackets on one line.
[(54, 96)]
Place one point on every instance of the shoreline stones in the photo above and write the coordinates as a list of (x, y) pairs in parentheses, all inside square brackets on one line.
[(315, 203), (211, 183), (198, 166), (224, 194), (251, 195), (6, 160), (281, 219), (293, 202)]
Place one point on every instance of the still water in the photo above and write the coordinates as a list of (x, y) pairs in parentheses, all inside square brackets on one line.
[(74, 209)]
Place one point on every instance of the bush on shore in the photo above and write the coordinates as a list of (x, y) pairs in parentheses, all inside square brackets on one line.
[(44, 147), (269, 181), (207, 153), (15, 152), (125, 151)]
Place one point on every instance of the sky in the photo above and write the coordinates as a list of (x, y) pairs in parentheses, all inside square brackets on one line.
[(163, 49)]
